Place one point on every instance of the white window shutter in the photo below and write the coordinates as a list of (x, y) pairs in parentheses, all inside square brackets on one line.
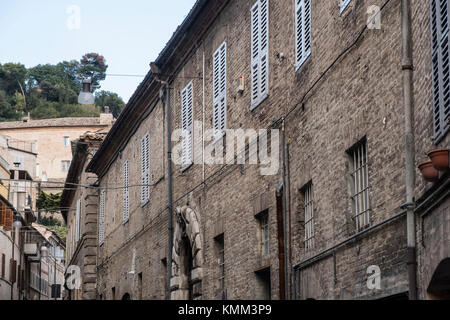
[(441, 66), (101, 219), (264, 49), (145, 168), (219, 91), (255, 17), (187, 119), (302, 31), (260, 49), (126, 203)]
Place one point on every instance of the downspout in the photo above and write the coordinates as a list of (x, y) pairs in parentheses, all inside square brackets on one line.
[(408, 100), (169, 185), (285, 264)]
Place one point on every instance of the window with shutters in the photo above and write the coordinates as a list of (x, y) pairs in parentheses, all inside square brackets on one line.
[(302, 31), (260, 51), (126, 200), (219, 91), (187, 123), (343, 5), (359, 185), (308, 197), (441, 67), (77, 221), (145, 169), (101, 220)]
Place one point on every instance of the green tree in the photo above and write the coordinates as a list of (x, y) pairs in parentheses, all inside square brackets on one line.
[(19, 102), (12, 78), (7, 112), (48, 201), (110, 99), (94, 66)]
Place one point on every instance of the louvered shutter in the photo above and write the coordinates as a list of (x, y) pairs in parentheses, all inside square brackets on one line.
[(101, 219), (219, 91), (126, 203), (441, 66), (145, 168), (259, 52), (302, 31), (2, 214), (77, 221), (187, 110), (9, 217)]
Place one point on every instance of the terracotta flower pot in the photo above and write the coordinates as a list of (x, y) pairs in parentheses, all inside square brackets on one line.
[(439, 158), (429, 172)]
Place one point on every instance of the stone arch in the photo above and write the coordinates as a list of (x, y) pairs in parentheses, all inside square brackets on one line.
[(439, 286), (126, 296), (187, 256)]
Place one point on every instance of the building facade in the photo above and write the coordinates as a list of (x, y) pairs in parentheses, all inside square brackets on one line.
[(51, 140), (313, 203), (80, 212)]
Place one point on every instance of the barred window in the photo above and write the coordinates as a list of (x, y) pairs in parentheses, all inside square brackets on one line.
[(359, 180), (309, 215)]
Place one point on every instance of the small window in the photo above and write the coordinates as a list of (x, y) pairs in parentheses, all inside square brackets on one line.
[(359, 185), (66, 141), (308, 197), (219, 91), (187, 122), (264, 236), (126, 201), (145, 169), (263, 289), (101, 221), (302, 31), (259, 52), (65, 166), (440, 38), (220, 245)]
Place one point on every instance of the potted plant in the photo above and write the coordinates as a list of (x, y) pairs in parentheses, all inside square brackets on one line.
[(429, 172), (439, 158)]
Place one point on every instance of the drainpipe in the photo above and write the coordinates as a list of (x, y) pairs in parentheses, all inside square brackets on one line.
[(408, 99), (169, 185)]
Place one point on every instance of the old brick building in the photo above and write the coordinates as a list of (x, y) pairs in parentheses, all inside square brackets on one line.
[(79, 208), (333, 88)]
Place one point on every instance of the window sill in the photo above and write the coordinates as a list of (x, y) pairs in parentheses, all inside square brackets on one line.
[(344, 5), (256, 105), (302, 62), (143, 204), (186, 167)]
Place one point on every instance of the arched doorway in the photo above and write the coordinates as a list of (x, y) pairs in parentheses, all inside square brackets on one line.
[(126, 296), (187, 255), (439, 287)]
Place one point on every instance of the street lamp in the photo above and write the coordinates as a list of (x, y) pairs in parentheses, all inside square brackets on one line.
[(86, 96), (17, 223)]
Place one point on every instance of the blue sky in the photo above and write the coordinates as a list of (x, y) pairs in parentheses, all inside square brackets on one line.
[(128, 33)]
